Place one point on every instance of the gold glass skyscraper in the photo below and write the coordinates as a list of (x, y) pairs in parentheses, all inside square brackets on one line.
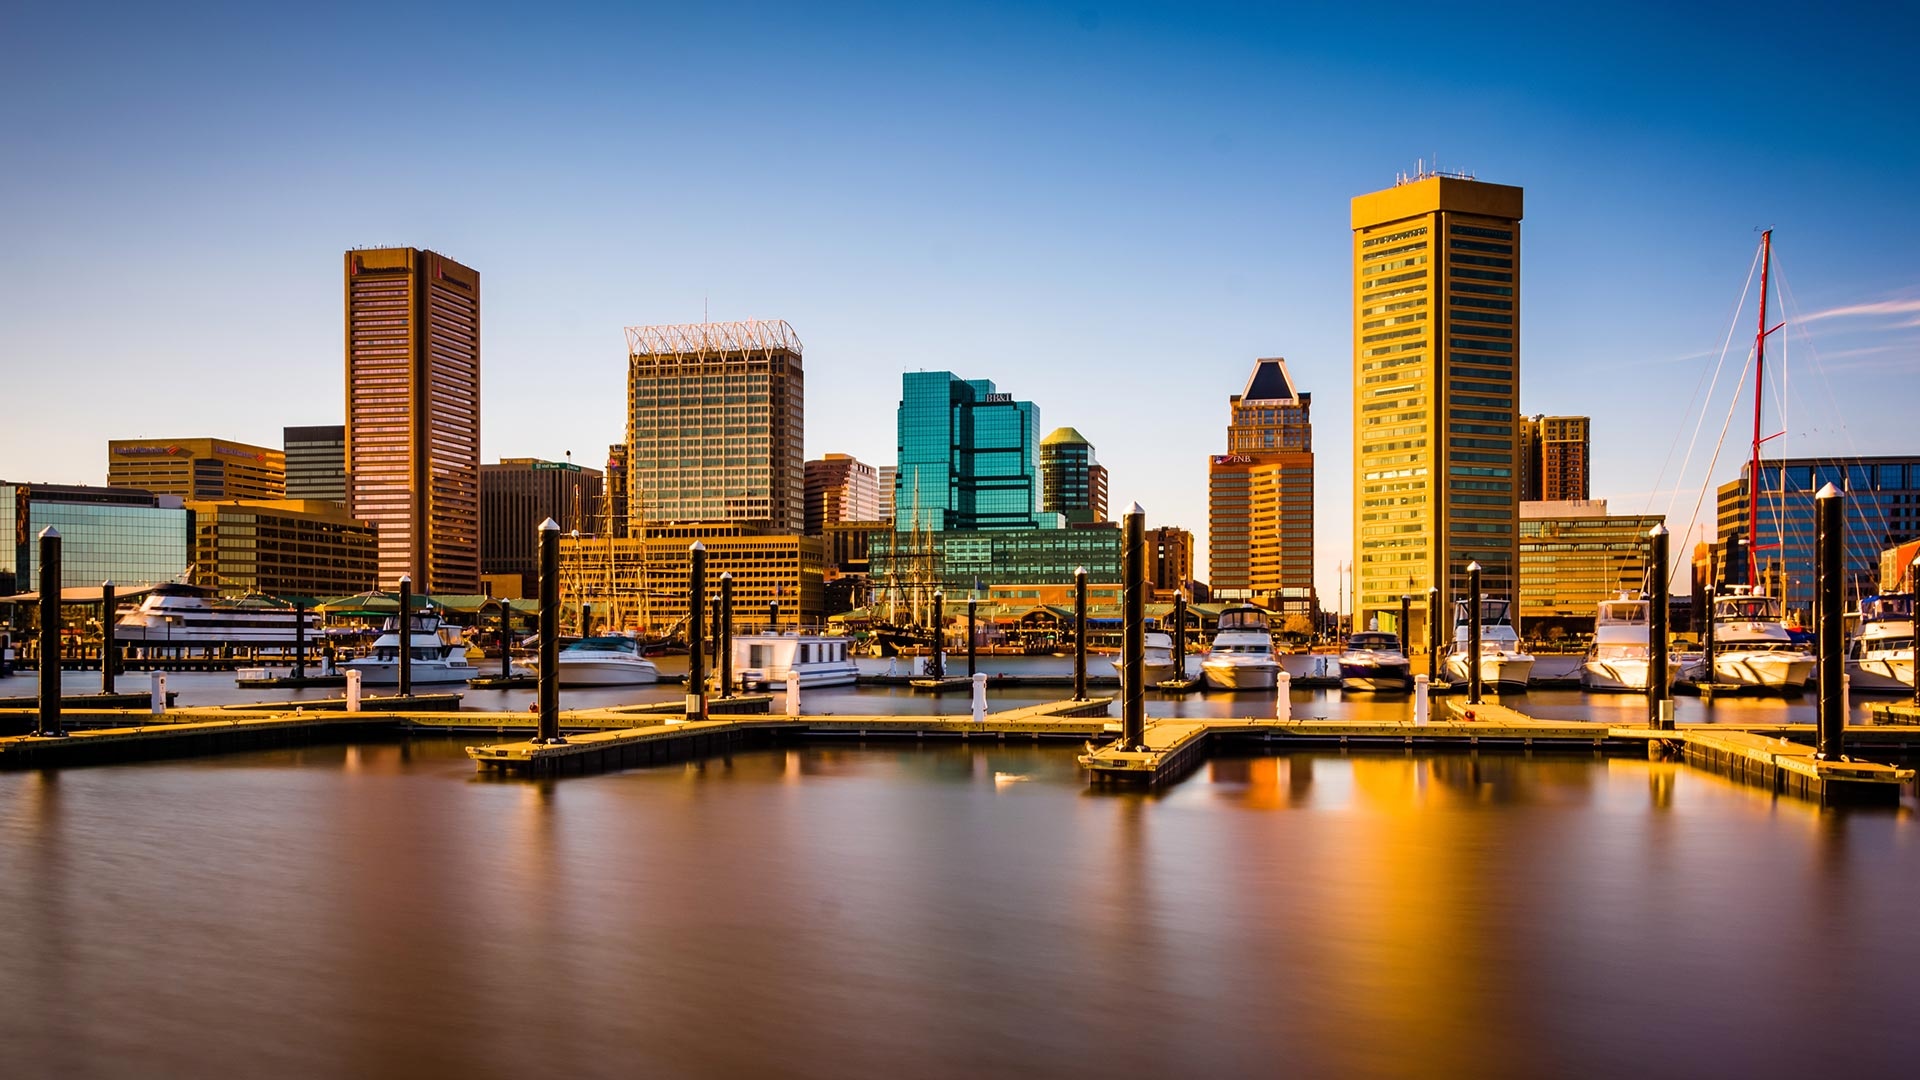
[(413, 414), (1436, 359)]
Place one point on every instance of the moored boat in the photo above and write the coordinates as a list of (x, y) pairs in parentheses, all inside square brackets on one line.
[(1880, 652), (437, 655), (604, 660), (1751, 647), (1156, 658), (1622, 650), (772, 660), (1242, 654), (1503, 664), (1374, 662), (178, 615)]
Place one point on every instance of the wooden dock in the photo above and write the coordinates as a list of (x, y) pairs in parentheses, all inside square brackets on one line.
[(205, 733), (1765, 755)]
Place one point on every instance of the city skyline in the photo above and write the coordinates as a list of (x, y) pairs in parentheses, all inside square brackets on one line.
[(1019, 209)]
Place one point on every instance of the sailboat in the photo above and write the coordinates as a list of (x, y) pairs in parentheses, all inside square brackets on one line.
[(1750, 644)]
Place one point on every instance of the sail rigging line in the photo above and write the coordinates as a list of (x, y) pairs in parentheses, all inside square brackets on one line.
[(1700, 418), (1718, 445)]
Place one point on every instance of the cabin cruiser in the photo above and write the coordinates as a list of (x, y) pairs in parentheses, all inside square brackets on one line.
[(1374, 661), (1502, 664), (180, 615), (1751, 648), (772, 660), (438, 654), (1622, 647), (1880, 652), (1242, 654), (604, 660), (1157, 658)]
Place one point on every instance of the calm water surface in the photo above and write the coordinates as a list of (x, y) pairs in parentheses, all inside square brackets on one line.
[(886, 910)]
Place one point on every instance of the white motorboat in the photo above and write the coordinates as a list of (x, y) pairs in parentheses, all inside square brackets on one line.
[(437, 654), (178, 615), (1503, 665), (771, 660), (1242, 654), (1622, 647), (1157, 658), (1880, 652), (1374, 662), (606, 660), (1751, 647)]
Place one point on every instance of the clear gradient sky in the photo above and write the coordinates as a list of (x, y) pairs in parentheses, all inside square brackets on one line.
[(1109, 209)]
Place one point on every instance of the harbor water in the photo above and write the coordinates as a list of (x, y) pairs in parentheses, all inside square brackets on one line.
[(938, 909)]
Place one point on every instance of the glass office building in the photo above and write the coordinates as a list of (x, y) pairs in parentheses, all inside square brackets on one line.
[(908, 567), (969, 457), (1883, 510), (106, 534)]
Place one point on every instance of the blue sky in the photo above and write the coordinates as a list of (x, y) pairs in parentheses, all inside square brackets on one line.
[(1111, 210)]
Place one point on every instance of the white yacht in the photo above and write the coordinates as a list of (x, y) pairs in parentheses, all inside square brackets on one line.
[(605, 660), (1751, 647), (439, 656), (1503, 666), (770, 660), (1622, 647), (1242, 654), (181, 615), (1373, 661), (1880, 653), (1157, 658)]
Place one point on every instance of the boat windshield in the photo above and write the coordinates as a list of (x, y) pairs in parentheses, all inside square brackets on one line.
[(1620, 652), (1243, 619), (1886, 607), (602, 644), (1747, 608), (1624, 613), (1244, 650), (1492, 612), (1371, 642)]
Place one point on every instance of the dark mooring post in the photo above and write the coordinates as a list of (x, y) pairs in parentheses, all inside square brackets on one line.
[(1133, 641), (107, 644), (936, 665), (1180, 636), (696, 633), (406, 636), (1913, 615), (506, 639), (549, 693), (773, 615), (300, 639), (711, 644), (50, 633), (1079, 633), (1830, 549), (1406, 619), (1473, 633), (586, 620), (1713, 579), (1433, 634), (973, 637), (1659, 694), (723, 642)]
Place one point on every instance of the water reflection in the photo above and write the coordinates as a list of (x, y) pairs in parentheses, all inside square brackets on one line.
[(946, 910)]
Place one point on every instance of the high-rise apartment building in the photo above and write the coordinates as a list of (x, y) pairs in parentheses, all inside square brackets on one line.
[(316, 462), (217, 469), (715, 425), (969, 457), (1554, 452), (516, 496), (1169, 560), (1073, 483), (1436, 340), (887, 475), (840, 488), (413, 413), (1260, 494)]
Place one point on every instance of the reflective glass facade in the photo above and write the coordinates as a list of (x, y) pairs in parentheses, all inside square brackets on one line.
[(969, 457), (1573, 554), (105, 535), (1073, 483), (955, 560), (1882, 510)]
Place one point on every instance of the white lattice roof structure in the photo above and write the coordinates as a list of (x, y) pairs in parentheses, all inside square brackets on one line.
[(713, 338)]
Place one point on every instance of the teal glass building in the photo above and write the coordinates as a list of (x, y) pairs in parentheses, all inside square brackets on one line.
[(969, 457), (106, 534)]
